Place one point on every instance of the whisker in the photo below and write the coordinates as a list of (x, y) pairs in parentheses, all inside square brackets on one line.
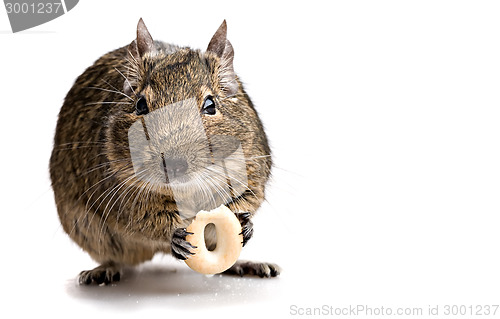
[(111, 91), (105, 194), (107, 211), (143, 190), (128, 82), (115, 190), (108, 102), (223, 194), (205, 190), (90, 197)]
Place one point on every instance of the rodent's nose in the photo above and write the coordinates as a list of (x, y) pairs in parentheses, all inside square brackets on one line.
[(175, 167)]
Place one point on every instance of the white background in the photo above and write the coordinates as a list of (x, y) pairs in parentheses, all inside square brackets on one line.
[(384, 118)]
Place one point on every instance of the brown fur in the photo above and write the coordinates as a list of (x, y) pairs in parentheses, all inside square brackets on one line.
[(101, 204)]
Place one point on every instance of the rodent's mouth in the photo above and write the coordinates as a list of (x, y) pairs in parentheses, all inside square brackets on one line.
[(174, 168), (178, 181), (192, 193), (194, 186)]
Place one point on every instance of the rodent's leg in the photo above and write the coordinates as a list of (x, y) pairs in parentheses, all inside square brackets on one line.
[(250, 268), (104, 274), (246, 226), (181, 248)]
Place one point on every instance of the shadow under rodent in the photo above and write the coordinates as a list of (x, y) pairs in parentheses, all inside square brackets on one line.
[(147, 136)]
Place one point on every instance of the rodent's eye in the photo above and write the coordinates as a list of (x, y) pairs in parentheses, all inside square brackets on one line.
[(141, 106), (208, 106)]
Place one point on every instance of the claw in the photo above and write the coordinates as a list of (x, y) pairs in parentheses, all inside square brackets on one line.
[(244, 216), (104, 274), (181, 249), (246, 226), (182, 232), (248, 268)]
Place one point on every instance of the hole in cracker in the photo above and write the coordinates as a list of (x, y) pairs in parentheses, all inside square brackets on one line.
[(210, 237)]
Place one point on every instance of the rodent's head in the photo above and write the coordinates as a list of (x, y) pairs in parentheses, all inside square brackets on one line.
[(191, 132)]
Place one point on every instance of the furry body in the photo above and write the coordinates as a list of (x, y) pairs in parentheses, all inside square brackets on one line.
[(122, 218)]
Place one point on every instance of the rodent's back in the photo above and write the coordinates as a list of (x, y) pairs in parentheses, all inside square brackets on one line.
[(79, 156), (78, 164), (79, 138)]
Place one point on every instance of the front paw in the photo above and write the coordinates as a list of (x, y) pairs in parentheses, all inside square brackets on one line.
[(246, 226), (181, 248)]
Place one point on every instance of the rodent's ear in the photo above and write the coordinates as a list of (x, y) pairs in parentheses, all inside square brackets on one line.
[(144, 40), (141, 45), (218, 42), (221, 46)]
